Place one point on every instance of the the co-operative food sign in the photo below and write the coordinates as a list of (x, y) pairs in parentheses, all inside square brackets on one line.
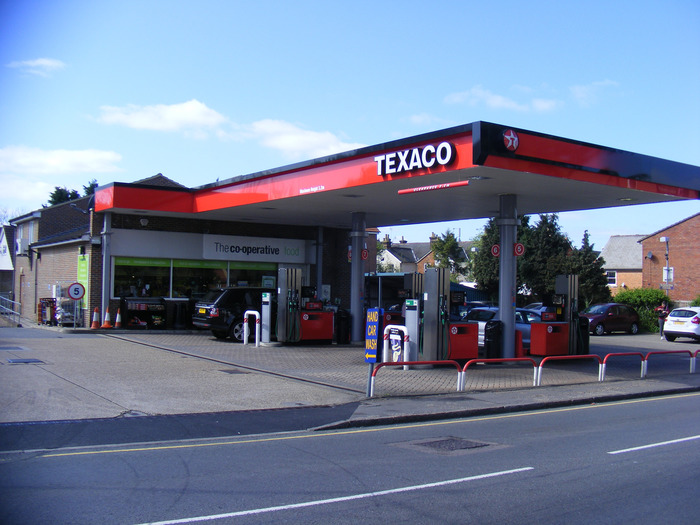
[(265, 249)]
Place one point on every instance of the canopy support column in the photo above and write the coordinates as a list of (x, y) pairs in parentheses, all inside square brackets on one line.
[(357, 276), (508, 223)]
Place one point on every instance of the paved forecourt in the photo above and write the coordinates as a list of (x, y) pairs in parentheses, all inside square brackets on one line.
[(103, 374)]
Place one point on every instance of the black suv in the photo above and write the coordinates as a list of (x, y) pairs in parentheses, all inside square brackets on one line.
[(221, 311)]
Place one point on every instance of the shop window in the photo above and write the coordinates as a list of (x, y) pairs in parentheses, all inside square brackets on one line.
[(141, 277), (247, 274), (193, 279)]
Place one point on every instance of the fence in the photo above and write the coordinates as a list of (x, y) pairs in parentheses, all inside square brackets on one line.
[(537, 379), (9, 310)]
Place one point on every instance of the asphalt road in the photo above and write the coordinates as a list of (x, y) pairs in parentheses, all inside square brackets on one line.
[(635, 461)]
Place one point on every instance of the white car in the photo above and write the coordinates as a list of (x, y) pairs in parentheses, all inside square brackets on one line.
[(683, 322)]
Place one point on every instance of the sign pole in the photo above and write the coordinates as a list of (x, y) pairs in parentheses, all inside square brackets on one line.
[(369, 379)]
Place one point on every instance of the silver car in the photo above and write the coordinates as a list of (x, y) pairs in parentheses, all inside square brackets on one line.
[(523, 319), (683, 322)]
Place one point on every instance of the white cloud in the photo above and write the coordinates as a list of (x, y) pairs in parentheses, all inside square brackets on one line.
[(587, 95), (479, 96), (26, 160), (196, 120), (295, 142), (42, 67), (192, 117)]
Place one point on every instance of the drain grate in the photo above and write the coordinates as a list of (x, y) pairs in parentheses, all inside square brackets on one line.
[(452, 444), (26, 362), (11, 348), (233, 371)]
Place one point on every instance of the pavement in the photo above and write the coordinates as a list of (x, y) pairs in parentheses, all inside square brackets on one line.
[(65, 375)]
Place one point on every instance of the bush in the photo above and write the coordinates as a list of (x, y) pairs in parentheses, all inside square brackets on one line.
[(696, 301), (644, 300)]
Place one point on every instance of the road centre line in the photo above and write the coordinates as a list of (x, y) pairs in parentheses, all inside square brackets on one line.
[(362, 430), (341, 499), (654, 445)]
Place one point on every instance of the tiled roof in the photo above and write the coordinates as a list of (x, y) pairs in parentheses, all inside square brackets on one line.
[(623, 252)]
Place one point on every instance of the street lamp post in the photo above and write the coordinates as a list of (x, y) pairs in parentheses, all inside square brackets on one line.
[(666, 276)]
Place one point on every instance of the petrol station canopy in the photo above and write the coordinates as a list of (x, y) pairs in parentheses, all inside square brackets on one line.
[(451, 174)]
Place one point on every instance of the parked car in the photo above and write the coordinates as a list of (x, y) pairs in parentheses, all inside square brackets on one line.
[(523, 320), (221, 311), (683, 322), (611, 317)]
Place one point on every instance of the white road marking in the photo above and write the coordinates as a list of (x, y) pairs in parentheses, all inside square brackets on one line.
[(652, 445), (341, 499)]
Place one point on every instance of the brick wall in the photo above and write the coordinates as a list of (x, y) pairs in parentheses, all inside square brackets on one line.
[(684, 258), (631, 279)]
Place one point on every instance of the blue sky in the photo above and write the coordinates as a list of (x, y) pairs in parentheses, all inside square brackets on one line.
[(205, 90)]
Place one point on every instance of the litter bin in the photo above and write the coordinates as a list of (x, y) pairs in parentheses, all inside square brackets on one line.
[(493, 333), (584, 337), (342, 327)]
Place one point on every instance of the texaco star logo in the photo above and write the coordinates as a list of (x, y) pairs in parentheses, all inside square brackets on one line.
[(510, 139)]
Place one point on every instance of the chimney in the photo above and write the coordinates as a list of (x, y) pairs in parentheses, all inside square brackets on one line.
[(433, 238), (386, 241), (403, 241)]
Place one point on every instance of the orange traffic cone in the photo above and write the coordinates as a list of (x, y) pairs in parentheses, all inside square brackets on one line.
[(95, 319), (118, 322), (108, 321)]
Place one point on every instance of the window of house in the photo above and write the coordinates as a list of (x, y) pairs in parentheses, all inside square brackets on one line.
[(612, 277)]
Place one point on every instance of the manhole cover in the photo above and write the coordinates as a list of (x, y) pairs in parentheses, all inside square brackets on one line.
[(452, 444), (445, 446)]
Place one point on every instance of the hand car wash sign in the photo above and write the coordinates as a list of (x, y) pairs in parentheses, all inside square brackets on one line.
[(257, 249)]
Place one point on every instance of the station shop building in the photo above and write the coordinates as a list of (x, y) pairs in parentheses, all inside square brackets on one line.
[(157, 241)]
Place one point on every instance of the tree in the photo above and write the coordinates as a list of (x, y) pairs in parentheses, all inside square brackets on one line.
[(547, 254), (90, 188), (59, 195), (382, 267), (485, 267), (592, 281), (449, 254)]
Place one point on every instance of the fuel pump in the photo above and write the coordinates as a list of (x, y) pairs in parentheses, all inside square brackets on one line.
[(266, 317), (566, 288), (289, 305), (436, 314)]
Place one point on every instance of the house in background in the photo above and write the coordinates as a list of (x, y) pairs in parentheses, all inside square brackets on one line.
[(412, 257), (623, 262), (679, 274), (7, 261)]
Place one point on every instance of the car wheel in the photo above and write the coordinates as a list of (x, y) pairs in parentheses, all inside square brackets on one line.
[(236, 331), (669, 338), (599, 329), (634, 328), (218, 334)]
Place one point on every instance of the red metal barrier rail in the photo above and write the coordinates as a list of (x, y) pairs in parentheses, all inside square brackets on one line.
[(414, 363), (690, 353), (566, 357), (601, 369), (461, 372), (463, 379)]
